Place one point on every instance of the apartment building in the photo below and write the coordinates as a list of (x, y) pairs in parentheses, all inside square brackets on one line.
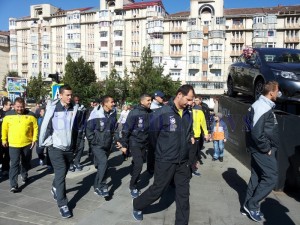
[(195, 47), (4, 54)]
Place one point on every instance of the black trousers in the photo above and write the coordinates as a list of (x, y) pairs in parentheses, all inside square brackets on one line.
[(4, 158), (138, 155), (79, 151), (101, 158), (264, 175), (164, 173), (195, 153), (150, 159), (61, 161), (23, 153)]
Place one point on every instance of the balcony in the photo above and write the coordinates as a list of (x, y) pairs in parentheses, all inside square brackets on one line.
[(176, 42), (135, 59), (216, 34), (259, 39), (176, 29), (292, 26), (104, 28), (259, 26), (235, 53), (175, 53), (195, 66), (194, 78), (155, 30), (237, 27), (156, 41), (291, 40), (215, 66), (237, 41)]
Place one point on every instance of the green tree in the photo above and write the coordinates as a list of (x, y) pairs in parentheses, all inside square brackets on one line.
[(82, 78), (9, 74), (148, 78), (113, 85), (36, 88)]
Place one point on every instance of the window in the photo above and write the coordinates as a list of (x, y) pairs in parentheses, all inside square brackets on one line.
[(220, 20), (192, 22), (176, 48), (118, 43), (104, 54), (205, 61), (259, 19), (157, 60), (270, 45), (206, 22), (205, 48), (216, 59), (194, 47), (175, 72), (34, 56), (103, 43), (216, 47), (194, 59), (46, 56), (118, 53), (118, 33), (237, 22), (176, 36), (204, 73), (46, 46), (103, 33), (271, 33)]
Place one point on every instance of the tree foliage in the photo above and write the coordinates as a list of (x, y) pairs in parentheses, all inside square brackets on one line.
[(81, 77), (148, 78), (36, 88), (9, 74)]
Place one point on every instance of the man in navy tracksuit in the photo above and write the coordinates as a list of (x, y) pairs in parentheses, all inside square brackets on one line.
[(171, 134), (99, 132), (135, 136), (262, 142)]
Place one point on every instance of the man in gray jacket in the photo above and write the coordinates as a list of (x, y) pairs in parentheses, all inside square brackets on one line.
[(59, 133), (262, 142)]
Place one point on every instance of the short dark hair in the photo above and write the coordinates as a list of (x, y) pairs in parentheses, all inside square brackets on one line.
[(20, 100), (269, 86), (105, 98), (144, 96), (64, 87), (185, 89), (6, 101)]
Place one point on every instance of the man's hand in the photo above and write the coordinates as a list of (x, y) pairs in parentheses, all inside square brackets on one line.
[(118, 145), (206, 137), (193, 140), (32, 145), (4, 143), (123, 150)]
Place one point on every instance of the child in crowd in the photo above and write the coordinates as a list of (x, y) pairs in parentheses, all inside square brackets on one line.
[(219, 136)]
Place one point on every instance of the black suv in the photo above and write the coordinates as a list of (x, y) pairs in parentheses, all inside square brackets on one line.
[(249, 73)]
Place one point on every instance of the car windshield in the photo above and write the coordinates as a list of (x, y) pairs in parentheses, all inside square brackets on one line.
[(282, 57)]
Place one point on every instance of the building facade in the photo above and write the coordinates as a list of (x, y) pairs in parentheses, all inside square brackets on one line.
[(195, 47), (4, 54)]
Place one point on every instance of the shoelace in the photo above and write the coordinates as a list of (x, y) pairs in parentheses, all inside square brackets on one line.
[(65, 208)]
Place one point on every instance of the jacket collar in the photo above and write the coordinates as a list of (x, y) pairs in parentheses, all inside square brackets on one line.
[(267, 101)]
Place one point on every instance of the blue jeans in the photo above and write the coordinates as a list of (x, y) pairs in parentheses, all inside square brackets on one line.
[(218, 149)]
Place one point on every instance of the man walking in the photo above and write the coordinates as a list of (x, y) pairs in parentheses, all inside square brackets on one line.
[(263, 142), (59, 133), (19, 133), (135, 136), (99, 131), (4, 151), (171, 135)]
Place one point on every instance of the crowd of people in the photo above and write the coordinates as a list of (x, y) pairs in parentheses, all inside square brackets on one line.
[(168, 135)]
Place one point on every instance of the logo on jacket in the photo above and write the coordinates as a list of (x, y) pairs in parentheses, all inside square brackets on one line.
[(275, 119), (101, 123), (140, 122), (173, 124)]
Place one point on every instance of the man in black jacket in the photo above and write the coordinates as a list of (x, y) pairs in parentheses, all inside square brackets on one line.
[(262, 142), (99, 131), (135, 136), (171, 134)]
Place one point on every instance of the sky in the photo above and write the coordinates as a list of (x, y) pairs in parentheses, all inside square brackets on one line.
[(21, 8)]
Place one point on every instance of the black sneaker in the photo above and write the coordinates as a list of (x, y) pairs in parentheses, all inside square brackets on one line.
[(101, 192), (14, 189), (53, 191), (137, 215), (77, 167), (134, 193), (254, 215), (196, 173), (213, 159), (221, 159), (72, 168), (65, 212)]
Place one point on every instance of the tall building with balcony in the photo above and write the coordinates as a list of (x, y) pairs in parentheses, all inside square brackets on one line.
[(4, 54), (195, 47)]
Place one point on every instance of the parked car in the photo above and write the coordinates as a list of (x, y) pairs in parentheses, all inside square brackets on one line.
[(250, 73)]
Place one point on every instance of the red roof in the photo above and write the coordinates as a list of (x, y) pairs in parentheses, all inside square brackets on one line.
[(142, 5), (6, 33)]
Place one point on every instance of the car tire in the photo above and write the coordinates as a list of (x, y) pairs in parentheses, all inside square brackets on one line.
[(258, 87), (230, 88)]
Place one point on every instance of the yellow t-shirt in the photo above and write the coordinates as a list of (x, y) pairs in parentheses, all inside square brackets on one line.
[(180, 111)]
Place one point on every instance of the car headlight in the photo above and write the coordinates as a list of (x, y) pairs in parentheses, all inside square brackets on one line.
[(285, 74)]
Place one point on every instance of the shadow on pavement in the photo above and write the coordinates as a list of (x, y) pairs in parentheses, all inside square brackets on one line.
[(210, 152), (164, 202), (275, 213), (236, 182)]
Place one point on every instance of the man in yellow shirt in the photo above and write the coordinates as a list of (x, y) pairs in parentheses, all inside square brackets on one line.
[(199, 126), (19, 133)]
